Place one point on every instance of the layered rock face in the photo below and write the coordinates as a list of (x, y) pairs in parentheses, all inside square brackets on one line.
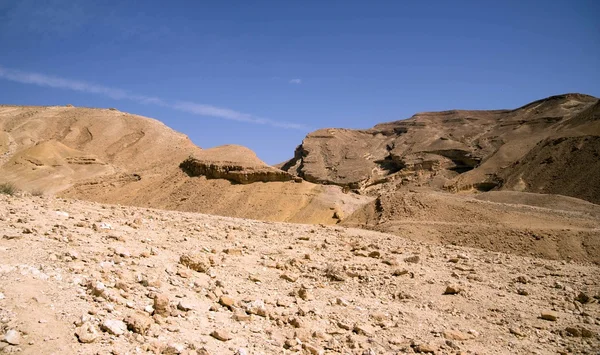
[(456, 149), (233, 172), (235, 163)]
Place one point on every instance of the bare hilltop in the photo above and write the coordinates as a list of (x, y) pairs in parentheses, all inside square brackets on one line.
[(454, 232)]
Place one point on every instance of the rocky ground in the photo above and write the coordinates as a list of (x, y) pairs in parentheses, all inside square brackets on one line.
[(86, 278)]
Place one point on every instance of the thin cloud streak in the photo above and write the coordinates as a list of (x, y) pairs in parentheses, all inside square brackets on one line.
[(296, 81), (120, 94), (75, 85), (208, 110)]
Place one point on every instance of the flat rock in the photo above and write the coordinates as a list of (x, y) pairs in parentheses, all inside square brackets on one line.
[(289, 277), (233, 251), (426, 348), (226, 301), (185, 305), (122, 252), (549, 315), (13, 337), (221, 334), (364, 329), (174, 349), (456, 335), (342, 302), (241, 316), (114, 327), (517, 332), (313, 349), (399, 272)]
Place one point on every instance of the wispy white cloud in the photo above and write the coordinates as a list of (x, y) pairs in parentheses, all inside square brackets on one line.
[(296, 81), (120, 94), (208, 110), (76, 85)]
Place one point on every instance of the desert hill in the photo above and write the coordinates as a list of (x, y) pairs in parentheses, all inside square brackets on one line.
[(565, 165), (436, 265), (419, 178), (427, 174), (460, 150), (51, 148), (110, 156)]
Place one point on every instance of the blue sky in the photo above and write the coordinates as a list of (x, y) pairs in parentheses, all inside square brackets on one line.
[(265, 73)]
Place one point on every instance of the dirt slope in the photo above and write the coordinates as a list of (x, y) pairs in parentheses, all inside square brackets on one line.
[(84, 278), (567, 166), (271, 201), (456, 150), (50, 148), (528, 224)]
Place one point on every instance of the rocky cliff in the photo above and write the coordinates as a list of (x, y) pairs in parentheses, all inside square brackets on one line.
[(233, 172), (455, 150)]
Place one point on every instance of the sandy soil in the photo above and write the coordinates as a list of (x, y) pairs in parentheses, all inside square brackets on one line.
[(528, 224), (86, 278)]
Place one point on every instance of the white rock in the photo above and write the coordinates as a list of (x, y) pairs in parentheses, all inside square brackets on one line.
[(105, 225), (87, 333), (114, 327), (473, 332), (122, 252), (106, 265), (257, 307), (185, 305), (98, 288), (12, 337), (174, 348), (63, 214), (84, 318)]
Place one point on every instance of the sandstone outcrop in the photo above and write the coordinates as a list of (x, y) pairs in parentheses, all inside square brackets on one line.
[(455, 150), (234, 163)]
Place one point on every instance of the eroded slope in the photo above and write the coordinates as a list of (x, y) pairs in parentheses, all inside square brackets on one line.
[(456, 150), (548, 226), (51, 148), (109, 156)]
